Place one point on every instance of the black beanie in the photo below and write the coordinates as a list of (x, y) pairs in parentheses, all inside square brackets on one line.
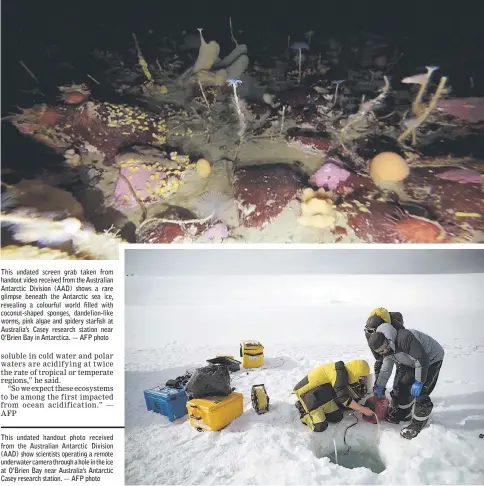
[(376, 340), (373, 322)]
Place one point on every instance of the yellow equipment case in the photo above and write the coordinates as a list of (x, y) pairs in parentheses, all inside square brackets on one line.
[(252, 354), (214, 413)]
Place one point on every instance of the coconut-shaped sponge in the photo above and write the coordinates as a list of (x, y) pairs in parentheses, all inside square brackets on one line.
[(389, 167), (203, 168)]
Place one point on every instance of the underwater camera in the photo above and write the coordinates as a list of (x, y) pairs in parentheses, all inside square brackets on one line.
[(360, 389)]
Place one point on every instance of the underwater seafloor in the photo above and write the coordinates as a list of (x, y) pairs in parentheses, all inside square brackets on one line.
[(177, 142)]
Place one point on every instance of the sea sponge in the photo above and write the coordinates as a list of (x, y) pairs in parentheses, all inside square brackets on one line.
[(388, 167), (203, 168), (207, 54), (240, 50), (316, 206), (238, 67), (74, 94), (220, 77), (210, 78), (317, 209), (318, 221)]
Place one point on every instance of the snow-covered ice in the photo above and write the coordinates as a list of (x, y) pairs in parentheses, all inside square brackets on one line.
[(174, 325)]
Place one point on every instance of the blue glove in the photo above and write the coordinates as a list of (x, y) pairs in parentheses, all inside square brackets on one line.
[(416, 388), (378, 391)]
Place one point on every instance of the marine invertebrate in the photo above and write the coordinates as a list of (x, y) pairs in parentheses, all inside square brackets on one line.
[(217, 231), (207, 55), (329, 175), (308, 35), (366, 108), (214, 205), (414, 123), (456, 206), (142, 62), (423, 81), (388, 167), (462, 175), (317, 209), (74, 94), (105, 127), (242, 123), (337, 83), (208, 70), (415, 229), (203, 168), (203, 94), (388, 170), (299, 46)]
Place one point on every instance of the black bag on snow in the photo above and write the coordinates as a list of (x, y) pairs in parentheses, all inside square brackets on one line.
[(208, 381), (179, 381)]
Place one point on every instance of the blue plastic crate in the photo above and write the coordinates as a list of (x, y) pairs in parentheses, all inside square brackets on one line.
[(167, 401)]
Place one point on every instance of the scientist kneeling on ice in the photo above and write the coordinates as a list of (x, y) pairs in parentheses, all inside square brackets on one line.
[(329, 389), (418, 358)]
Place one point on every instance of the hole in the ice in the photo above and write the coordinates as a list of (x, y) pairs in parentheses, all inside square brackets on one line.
[(362, 455), (369, 458)]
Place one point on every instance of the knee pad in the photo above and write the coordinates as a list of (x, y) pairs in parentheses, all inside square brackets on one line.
[(334, 417)]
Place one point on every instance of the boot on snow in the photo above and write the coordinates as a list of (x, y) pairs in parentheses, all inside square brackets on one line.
[(421, 413), (413, 428), (396, 415)]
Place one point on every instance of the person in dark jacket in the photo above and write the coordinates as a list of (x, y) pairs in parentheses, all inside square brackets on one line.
[(419, 359), (329, 389), (377, 317)]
